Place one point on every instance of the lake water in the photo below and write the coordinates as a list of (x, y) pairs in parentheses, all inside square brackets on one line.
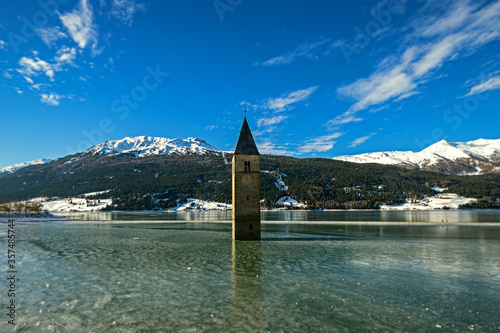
[(298, 216), (182, 276)]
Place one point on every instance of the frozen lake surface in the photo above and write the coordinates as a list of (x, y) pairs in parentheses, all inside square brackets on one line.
[(189, 277)]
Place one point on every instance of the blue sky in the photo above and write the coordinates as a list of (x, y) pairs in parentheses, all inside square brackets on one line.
[(320, 78)]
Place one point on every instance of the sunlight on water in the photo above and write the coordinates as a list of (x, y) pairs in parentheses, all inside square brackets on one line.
[(187, 277)]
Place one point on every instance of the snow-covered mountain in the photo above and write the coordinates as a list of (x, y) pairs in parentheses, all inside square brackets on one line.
[(147, 145), (15, 167), (458, 158)]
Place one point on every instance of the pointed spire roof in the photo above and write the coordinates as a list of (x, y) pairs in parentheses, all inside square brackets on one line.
[(246, 145)]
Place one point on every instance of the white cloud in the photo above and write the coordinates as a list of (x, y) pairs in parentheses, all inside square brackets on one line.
[(437, 53), (273, 108), (35, 66), (65, 55), (37, 86), (312, 51), (280, 103), (270, 121), (2, 44), (19, 91), (211, 127), (303, 50), (6, 74), (29, 80), (378, 109), (361, 140), (125, 10), (50, 99), (50, 35), (437, 39), (345, 118), (491, 84), (80, 26), (268, 147), (320, 144), (443, 23)]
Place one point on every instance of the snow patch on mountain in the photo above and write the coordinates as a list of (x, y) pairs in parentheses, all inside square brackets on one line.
[(280, 184), (474, 154), (288, 202), (142, 146), (15, 167)]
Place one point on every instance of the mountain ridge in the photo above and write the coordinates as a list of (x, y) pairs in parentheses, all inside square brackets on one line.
[(148, 145), (475, 157), (13, 168), (163, 181)]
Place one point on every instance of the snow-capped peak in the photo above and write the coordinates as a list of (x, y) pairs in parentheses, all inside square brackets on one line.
[(15, 167), (148, 145), (476, 154)]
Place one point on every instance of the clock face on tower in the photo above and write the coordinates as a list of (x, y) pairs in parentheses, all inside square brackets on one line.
[(246, 179)]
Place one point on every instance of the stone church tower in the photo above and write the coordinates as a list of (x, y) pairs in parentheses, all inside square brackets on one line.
[(246, 187)]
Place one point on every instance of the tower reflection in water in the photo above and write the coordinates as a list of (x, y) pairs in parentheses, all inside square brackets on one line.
[(246, 303)]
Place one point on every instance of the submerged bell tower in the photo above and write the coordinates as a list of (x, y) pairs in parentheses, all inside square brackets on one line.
[(246, 187)]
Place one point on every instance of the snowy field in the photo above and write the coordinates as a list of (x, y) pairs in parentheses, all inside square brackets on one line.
[(82, 204), (74, 205), (203, 205), (440, 201)]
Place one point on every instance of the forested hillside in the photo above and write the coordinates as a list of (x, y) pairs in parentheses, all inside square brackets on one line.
[(160, 182)]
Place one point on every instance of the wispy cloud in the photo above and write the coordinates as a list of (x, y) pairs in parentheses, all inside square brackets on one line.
[(436, 39), (312, 51), (38, 86), (319, 144), (125, 10), (273, 109), (80, 25), (378, 109), (50, 99), (271, 121), (280, 103), (361, 140), (6, 74), (3, 44), (50, 35), (345, 118), (491, 84), (211, 127), (269, 147)]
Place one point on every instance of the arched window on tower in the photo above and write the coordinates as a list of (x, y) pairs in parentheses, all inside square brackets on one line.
[(248, 166)]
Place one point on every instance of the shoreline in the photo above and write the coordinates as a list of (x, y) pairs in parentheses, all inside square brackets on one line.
[(169, 211), (379, 223)]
